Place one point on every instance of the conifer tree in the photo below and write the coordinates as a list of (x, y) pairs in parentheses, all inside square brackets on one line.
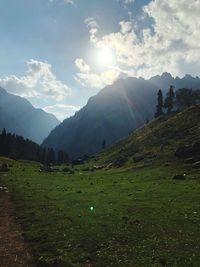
[(159, 107), (169, 101)]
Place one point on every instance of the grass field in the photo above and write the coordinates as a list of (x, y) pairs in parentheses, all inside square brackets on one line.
[(119, 217)]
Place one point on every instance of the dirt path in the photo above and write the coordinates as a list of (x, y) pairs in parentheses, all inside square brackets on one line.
[(13, 250)]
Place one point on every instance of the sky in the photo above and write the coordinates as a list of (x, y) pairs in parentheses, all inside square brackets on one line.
[(58, 53)]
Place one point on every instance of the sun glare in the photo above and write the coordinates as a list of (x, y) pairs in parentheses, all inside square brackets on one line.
[(105, 57)]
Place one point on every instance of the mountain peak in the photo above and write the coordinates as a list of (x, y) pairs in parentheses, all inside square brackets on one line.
[(166, 75)]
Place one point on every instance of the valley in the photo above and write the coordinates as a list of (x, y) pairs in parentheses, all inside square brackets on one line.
[(135, 214)]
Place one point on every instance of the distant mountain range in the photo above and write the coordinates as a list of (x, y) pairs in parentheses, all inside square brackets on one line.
[(18, 116), (113, 113)]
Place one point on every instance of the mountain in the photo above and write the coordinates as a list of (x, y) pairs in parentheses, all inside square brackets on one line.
[(18, 116), (166, 79), (113, 113)]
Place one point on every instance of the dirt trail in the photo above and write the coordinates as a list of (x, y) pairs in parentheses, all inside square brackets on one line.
[(13, 250)]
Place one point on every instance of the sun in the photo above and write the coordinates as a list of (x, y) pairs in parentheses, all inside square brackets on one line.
[(105, 57)]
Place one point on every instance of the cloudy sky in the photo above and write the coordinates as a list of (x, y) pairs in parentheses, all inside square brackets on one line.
[(58, 53)]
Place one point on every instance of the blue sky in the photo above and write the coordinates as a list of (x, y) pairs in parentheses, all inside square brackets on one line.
[(58, 53)]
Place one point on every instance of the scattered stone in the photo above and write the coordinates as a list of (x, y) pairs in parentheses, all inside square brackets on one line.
[(46, 168), (163, 261), (138, 157), (4, 167), (183, 151), (125, 218), (196, 165), (3, 188), (86, 169), (110, 165), (78, 162), (190, 160), (120, 161), (187, 151), (196, 148), (179, 177), (98, 167), (66, 169)]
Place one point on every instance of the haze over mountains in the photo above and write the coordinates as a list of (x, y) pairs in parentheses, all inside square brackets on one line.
[(18, 116), (113, 113)]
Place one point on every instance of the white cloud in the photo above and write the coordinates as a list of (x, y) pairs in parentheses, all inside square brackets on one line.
[(91, 23), (38, 80), (173, 43), (71, 2), (126, 26), (87, 77), (61, 111), (127, 2), (82, 66)]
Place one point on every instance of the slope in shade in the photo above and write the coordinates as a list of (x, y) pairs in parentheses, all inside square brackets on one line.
[(113, 113)]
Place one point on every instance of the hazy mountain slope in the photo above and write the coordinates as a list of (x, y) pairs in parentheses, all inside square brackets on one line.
[(113, 113), (18, 116), (165, 80)]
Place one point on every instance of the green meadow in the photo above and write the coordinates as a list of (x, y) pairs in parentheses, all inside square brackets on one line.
[(129, 216)]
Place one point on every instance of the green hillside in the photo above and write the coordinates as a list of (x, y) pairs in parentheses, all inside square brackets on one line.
[(133, 215), (158, 139)]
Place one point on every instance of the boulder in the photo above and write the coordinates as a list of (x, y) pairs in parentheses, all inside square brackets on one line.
[(190, 160), (188, 151), (66, 169), (183, 151), (179, 177), (138, 158), (196, 165), (46, 168), (196, 148), (120, 161), (110, 165), (4, 167)]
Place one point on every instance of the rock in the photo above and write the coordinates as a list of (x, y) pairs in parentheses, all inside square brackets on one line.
[(196, 148), (138, 158), (179, 177), (3, 188), (46, 168), (98, 167), (196, 165), (86, 169), (66, 169), (190, 160), (109, 166), (188, 151), (120, 161), (163, 261), (183, 151), (4, 167), (78, 161)]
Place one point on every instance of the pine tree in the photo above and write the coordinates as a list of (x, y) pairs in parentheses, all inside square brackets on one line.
[(159, 107), (103, 144), (169, 101)]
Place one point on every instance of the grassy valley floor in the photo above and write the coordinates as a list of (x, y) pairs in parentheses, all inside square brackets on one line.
[(123, 217)]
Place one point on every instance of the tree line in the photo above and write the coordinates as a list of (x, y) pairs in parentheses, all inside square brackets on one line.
[(176, 100), (16, 147)]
